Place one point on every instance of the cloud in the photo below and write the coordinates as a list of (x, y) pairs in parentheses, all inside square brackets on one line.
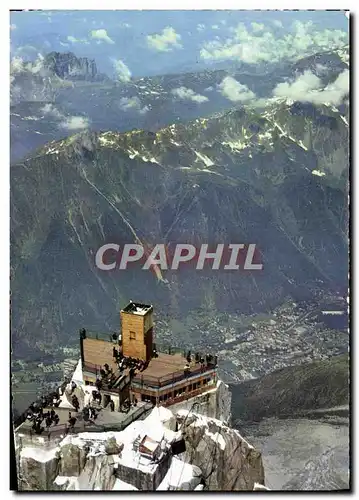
[(299, 88), (123, 72), (259, 43), (215, 27), (188, 95), (18, 65), (49, 109), (67, 122), (277, 23), (28, 80), (75, 123), (26, 49), (257, 27), (13, 27), (133, 103), (38, 66), (235, 91), (309, 88), (102, 36), (73, 39), (166, 41)]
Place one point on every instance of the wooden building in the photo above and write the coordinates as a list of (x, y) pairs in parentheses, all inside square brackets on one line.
[(166, 379), (137, 331)]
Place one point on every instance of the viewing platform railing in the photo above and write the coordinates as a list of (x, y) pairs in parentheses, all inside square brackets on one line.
[(59, 430), (158, 382), (95, 370)]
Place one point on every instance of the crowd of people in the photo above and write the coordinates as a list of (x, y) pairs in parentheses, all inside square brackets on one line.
[(198, 359), (124, 362), (107, 375), (44, 420), (37, 416)]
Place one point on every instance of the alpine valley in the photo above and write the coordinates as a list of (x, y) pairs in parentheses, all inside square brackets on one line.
[(149, 167)]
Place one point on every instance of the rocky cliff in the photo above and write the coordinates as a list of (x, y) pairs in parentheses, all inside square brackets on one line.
[(69, 67), (148, 103), (213, 457)]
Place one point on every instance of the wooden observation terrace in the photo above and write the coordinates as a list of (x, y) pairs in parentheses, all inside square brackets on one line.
[(165, 377)]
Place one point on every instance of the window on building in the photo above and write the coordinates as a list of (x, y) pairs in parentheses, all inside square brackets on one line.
[(132, 335)]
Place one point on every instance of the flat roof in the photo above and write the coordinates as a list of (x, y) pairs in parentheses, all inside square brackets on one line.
[(137, 308), (165, 365), (99, 352)]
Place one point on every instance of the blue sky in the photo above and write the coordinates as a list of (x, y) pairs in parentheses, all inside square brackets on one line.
[(156, 42)]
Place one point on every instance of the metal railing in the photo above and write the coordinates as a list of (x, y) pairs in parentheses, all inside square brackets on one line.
[(101, 336), (168, 349), (95, 369), (56, 431), (186, 396), (152, 381)]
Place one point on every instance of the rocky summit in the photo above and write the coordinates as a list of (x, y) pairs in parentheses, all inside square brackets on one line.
[(280, 171), (210, 455), (68, 66)]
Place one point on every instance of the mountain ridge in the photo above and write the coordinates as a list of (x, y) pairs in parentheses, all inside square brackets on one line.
[(169, 187)]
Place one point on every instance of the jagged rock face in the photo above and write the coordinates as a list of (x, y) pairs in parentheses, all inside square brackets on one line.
[(112, 447), (223, 403), (145, 103), (98, 473), (68, 66), (38, 472), (73, 459), (227, 461), (172, 187), (332, 62), (96, 461)]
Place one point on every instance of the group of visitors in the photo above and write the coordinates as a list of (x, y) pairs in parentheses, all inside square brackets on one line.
[(37, 415), (71, 422), (124, 362), (75, 402), (198, 358), (89, 413), (127, 405)]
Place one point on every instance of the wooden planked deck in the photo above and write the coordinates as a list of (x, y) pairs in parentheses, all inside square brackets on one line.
[(164, 365)]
